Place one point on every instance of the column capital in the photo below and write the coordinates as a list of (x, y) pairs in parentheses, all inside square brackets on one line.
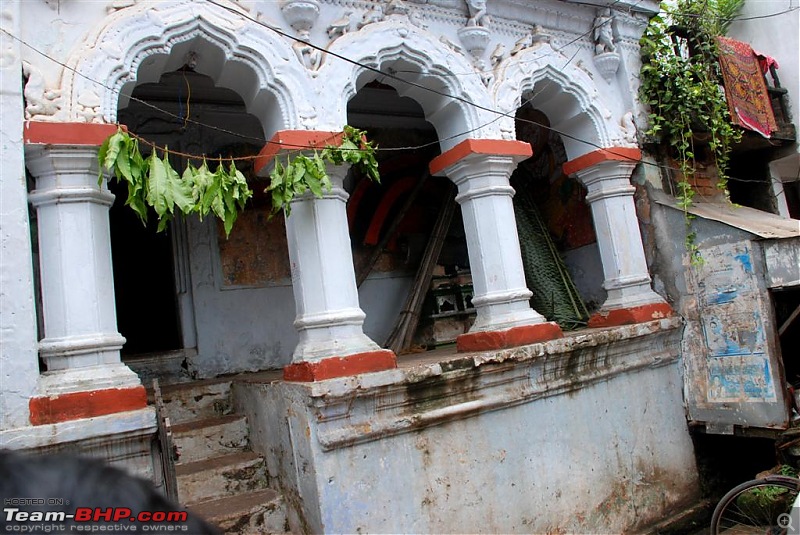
[(475, 150), (292, 140), (608, 158), (65, 174), (79, 134)]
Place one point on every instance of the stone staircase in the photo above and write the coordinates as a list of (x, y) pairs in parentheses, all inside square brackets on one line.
[(219, 476)]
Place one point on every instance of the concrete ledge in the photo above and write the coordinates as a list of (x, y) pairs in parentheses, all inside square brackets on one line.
[(354, 409), (446, 427), (122, 439), (331, 367), (514, 337), (79, 405), (627, 316)]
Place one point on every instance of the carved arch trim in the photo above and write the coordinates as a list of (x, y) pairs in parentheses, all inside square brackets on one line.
[(574, 106), (142, 42), (398, 45)]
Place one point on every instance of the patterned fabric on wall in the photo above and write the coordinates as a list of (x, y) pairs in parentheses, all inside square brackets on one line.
[(745, 87)]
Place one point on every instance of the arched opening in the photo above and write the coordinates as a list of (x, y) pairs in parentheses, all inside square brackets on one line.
[(391, 228), (560, 255), (155, 274)]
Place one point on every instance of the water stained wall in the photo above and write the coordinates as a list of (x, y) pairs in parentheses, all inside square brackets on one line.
[(582, 434)]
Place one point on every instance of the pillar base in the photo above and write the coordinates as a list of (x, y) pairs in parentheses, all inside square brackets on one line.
[(513, 337), (627, 316), (332, 367), (87, 404)]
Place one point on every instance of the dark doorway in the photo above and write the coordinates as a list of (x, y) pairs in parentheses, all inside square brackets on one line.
[(186, 112)]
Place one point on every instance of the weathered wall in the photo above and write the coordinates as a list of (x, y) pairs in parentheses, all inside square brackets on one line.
[(247, 328), (19, 367), (585, 434), (732, 359)]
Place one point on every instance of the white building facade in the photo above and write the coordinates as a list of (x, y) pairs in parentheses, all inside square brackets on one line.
[(296, 65)]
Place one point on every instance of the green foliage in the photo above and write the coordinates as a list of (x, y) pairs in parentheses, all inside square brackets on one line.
[(152, 182), (303, 173), (681, 83)]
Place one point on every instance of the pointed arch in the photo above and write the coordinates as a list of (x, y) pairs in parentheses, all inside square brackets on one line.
[(140, 43), (417, 57), (569, 97)]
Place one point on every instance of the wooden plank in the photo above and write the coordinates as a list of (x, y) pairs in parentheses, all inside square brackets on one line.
[(403, 332), (166, 445), (789, 321)]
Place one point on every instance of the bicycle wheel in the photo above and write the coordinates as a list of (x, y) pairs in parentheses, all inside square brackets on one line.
[(756, 507)]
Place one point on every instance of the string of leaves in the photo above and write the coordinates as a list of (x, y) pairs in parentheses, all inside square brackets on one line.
[(681, 83), (154, 183), (307, 172)]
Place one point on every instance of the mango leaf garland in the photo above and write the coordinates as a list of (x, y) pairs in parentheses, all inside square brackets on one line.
[(154, 182), (304, 173)]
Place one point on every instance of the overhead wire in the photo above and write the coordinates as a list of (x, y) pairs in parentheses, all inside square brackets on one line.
[(391, 75)]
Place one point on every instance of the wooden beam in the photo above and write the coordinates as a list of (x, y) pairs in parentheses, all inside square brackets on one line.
[(403, 332)]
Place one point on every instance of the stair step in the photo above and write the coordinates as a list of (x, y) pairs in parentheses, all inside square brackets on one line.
[(212, 437), (220, 476), (260, 511), (197, 400)]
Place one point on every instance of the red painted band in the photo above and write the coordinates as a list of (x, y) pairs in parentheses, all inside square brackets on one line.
[(284, 140), (627, 316), (44, 133), (331, 367), (502, 147), (602, 155), (77, 405), (514, 337)]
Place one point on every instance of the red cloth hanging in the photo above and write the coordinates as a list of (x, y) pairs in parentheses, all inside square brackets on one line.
[(745, 88)]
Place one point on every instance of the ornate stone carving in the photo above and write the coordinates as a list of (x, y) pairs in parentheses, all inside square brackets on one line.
[(148, 30), (301, 15), (443, 39), (416, 19), (339, 27), (607, 63), (628, 128), (475, 40), (397, 7), (526, 41), (89, 107), (477, 13), (373, 15), (537, 35), (40, 102), (497, 54), (606, 57), (604, 32)]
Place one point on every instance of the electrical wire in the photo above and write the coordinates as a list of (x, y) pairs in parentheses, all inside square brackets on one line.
[(390, 75)]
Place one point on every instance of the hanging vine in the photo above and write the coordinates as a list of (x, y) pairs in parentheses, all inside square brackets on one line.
[(681, 83), (154, 184)]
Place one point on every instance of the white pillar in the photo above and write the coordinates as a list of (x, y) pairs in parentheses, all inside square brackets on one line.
[(610, 195), (19, 367), (329, 319), (501, 297), (81, 344)]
